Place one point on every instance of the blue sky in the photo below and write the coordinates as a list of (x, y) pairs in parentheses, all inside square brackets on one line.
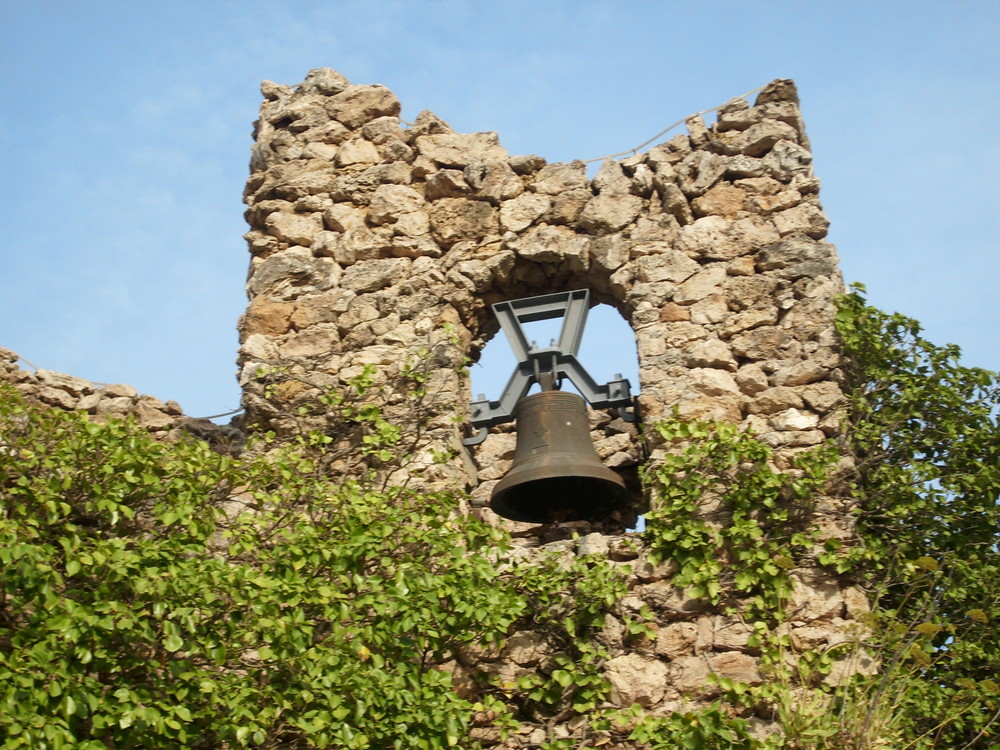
[(125, 135)]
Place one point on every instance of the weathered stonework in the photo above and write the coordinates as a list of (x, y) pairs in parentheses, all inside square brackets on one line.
[(709, 245), (101, 401), (378, 242)]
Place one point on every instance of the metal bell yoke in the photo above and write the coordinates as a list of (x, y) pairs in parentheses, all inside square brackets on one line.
[(557, 475)]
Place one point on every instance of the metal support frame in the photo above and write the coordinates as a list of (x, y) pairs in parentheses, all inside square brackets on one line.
[(546, 366)]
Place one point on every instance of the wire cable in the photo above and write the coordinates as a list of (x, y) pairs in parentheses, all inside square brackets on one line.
[(224, 414), (671, 127)]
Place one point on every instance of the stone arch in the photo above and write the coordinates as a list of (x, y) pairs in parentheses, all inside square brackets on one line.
[(526, 277), (543, 258), (372, 241)]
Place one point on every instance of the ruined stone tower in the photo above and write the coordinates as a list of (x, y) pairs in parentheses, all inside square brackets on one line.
[(381, 243)]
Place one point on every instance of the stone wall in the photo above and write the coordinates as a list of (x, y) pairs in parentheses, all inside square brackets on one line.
[(100, 400), (384, 243), (164, 420)]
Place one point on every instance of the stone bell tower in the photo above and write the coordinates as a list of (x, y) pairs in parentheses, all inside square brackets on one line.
[(381, 243)]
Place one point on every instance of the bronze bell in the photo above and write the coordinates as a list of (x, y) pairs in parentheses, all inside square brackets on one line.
[(557, 476)]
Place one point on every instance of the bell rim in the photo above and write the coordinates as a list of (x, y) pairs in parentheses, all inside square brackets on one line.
[(616, 498)]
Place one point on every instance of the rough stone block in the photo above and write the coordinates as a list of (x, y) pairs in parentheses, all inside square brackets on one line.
[(636, 679), (799, 373), (526, 648), (666, 265), (390, 202), (521, 212), (732, 634), (357, 151), (57, 397), (792, 439), (751, 379), (689, 674), (701, 285), (672, 602), (676, 639), (760, 138), (699, 171), (712, 382), (766, 342), (566, 207), (455, 219), (793, 419), (724, 199), (556, 179), (717, 238), (774, 400), (555, 244), (446, 183), (526, 164), (710, 353), (298, 229), (267, 316), (150, 415), (609, 213), (748, 319), (719, 408), (494, 180), (369, 275), (803, 219), (734, 665), (357, 105), (343, 216), (458, 150), (672, 312), (787, 158), (72, 385)]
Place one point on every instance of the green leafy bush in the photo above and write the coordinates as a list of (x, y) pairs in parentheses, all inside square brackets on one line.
[(161, 595), (164, 596), (923, 430)]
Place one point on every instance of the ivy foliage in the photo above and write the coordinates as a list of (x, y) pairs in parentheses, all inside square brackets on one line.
[(737, 526), (923, 476), (161, 595), (732, 522), (712, 728)]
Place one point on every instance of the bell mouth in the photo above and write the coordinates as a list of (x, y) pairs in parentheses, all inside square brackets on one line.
[(559, 499)]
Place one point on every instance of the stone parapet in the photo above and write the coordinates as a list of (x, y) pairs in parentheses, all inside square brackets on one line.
[(101, 401)]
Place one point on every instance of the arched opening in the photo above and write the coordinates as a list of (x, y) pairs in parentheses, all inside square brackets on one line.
[(608, 352)]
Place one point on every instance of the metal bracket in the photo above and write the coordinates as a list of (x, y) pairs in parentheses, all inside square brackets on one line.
[(546, 366)]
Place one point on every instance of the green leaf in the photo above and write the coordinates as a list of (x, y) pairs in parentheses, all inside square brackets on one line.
[(563, 677)]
